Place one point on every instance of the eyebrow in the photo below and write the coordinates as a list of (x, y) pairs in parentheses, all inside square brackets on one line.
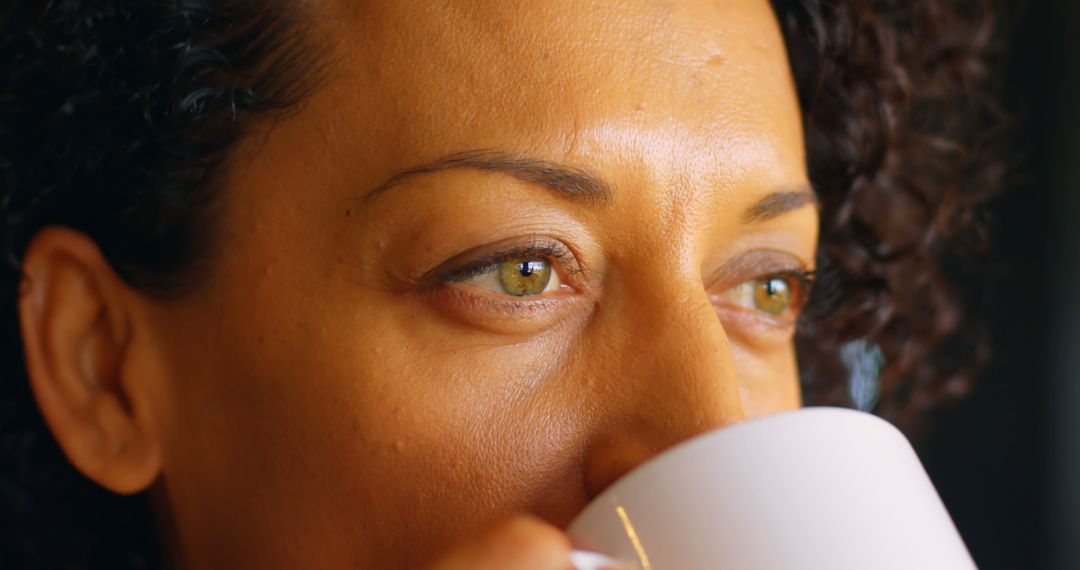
[(572, 182), (780, 203), (577, 184)]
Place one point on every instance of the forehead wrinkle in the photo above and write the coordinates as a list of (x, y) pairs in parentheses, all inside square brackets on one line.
[(472, 81)]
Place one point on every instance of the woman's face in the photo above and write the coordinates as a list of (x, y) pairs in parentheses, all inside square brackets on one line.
[(505, 253)]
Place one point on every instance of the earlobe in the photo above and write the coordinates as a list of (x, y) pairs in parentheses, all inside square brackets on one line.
[(76, 329)]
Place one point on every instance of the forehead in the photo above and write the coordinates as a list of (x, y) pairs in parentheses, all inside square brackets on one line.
[(692, 86)]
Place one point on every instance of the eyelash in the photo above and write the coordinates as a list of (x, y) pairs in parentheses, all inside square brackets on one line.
[(560, 255)]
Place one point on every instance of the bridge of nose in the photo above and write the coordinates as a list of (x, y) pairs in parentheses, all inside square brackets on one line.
[(666, 373)]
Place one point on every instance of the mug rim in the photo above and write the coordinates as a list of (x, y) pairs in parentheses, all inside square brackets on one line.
[(689, 446)]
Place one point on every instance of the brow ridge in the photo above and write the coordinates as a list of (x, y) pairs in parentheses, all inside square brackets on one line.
[(578, 184), (779, 203), (569, 181)]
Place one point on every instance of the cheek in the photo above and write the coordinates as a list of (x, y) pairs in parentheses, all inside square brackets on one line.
[(457, 433), (768, 379), (372, 430)]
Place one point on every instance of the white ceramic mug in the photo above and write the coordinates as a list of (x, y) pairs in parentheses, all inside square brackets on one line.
[(816, 488)]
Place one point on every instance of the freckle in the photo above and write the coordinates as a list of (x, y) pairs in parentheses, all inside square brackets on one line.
[(716, 60), (348, 212)]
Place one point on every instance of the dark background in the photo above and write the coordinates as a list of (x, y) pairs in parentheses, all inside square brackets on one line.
[(1007, 460)]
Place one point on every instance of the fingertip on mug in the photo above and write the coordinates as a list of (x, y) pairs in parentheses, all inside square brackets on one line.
[(585, 560)]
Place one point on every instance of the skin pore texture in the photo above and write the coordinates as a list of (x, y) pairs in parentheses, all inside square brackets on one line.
[(345, 388)]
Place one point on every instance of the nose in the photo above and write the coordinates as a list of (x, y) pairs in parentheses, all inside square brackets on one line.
[(673, 378)]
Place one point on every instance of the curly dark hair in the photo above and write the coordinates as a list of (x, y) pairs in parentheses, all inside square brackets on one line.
[(903, 141), (117, 116)]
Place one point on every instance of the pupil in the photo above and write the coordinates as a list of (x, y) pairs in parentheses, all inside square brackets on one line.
[(526, 269)]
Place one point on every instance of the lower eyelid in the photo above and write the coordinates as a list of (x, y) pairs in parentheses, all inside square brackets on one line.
[(724, 302), (486, 295), (484, 305), (750, 319)]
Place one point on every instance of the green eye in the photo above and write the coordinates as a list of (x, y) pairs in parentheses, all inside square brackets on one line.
[(526, 270), (777, 295), (523, 277), (773, 295)]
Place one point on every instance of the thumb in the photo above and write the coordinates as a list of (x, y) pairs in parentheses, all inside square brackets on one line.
[(521, 543)]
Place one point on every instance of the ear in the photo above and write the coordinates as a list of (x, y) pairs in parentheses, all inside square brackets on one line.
[(76, 319)]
